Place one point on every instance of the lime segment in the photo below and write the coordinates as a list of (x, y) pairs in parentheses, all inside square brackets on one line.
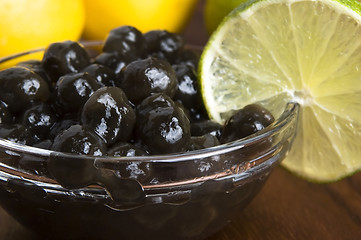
[(272, 52)]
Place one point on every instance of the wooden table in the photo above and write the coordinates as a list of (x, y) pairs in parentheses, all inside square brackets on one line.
[(291, 208), (286, 208)]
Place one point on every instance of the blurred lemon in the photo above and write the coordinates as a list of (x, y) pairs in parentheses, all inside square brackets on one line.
[(216, 10), (29, 24), (102, 16)]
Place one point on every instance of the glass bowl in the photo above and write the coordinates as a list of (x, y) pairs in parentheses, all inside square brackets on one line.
[(188, 195)]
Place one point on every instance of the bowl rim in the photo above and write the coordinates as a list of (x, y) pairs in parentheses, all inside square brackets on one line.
[(88, 44)]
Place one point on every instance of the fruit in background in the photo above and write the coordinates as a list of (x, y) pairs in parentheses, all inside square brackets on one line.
[(216, 10), (102, 16), (28, 24), (267, 52)]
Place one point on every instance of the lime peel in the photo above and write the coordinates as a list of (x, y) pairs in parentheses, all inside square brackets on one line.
[(269, 52)]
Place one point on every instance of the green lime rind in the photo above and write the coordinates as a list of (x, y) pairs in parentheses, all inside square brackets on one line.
[(213, 50), (319, 181), (354, 5)]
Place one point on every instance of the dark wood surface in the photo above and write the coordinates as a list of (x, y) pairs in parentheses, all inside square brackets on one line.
[(292, 209), (286, 208)]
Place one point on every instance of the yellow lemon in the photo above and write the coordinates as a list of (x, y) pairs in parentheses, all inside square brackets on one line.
[(28, 24), (102, 16)]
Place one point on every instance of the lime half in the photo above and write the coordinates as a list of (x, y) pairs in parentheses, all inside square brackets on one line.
[(276, 51)]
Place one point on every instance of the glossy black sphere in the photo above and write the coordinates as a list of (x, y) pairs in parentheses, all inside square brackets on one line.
[(39, 119), (126, 40), (76, 139), (246, 121), (37, 67), (113, 61), (108, 113), (142, 78), (188, 91), (102, 74), (164, 129), (20, 87), (64, 57), (73, 90), (163, 44)]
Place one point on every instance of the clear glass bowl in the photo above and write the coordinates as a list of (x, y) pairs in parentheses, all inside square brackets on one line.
[(178, 196)]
